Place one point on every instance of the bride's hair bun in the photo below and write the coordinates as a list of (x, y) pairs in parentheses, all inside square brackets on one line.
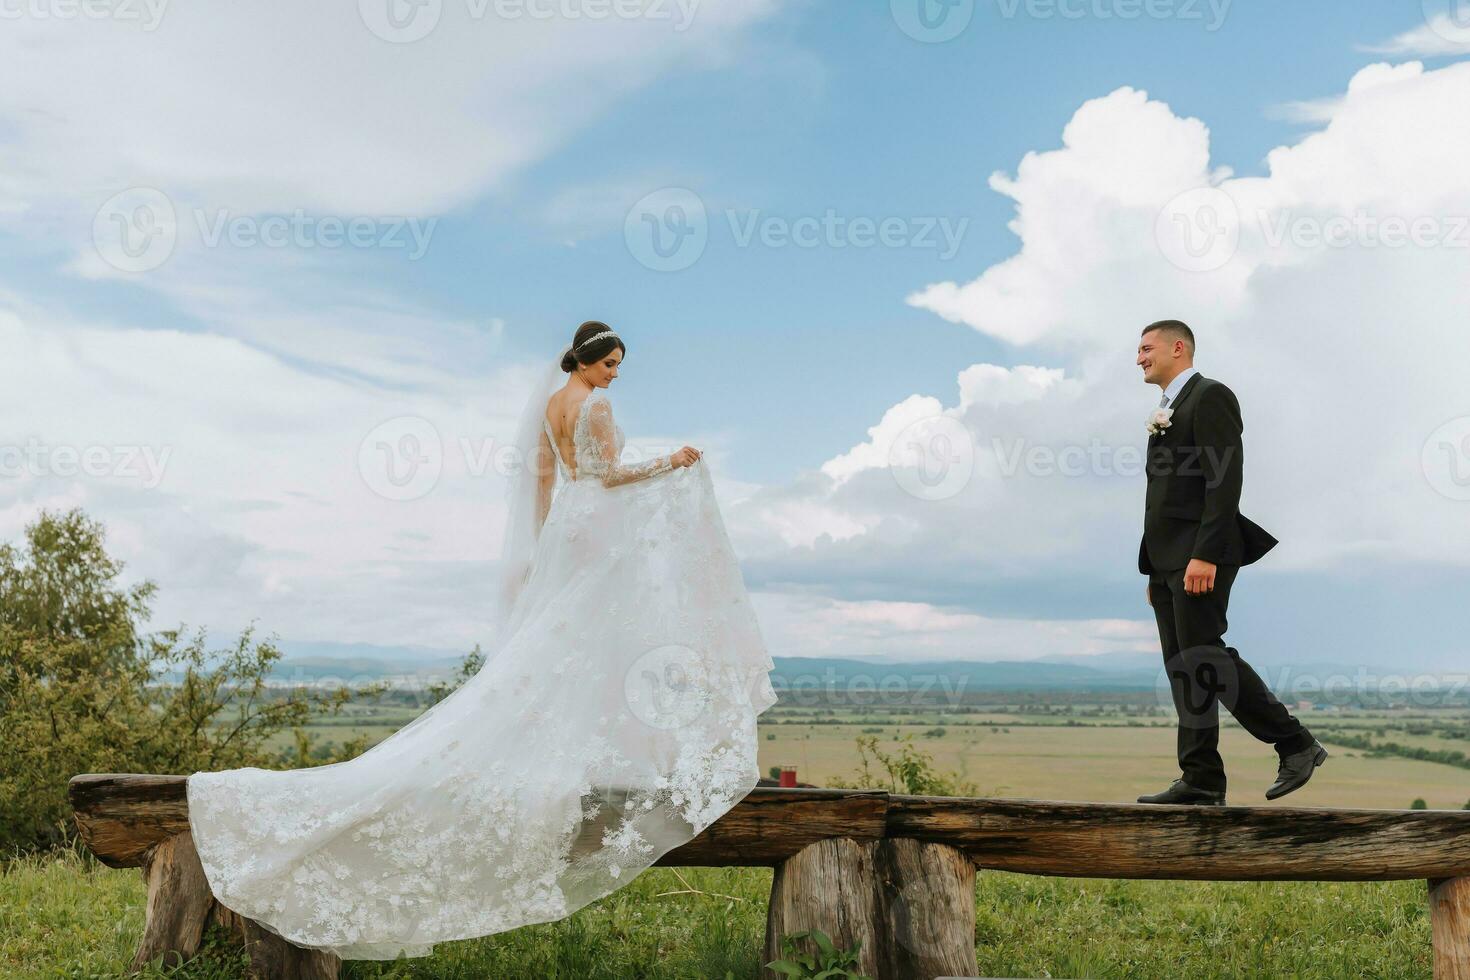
[(583, 352)]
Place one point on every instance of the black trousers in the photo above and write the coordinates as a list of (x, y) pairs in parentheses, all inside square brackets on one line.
[(1204, 673)]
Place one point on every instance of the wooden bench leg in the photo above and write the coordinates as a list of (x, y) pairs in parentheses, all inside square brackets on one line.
[(911, 905), (1449, 917), (180, 907)]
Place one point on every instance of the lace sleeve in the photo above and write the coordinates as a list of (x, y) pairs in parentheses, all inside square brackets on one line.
[(605, 451)]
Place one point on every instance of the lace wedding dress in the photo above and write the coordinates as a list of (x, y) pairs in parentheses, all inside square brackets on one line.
[(613, 721)]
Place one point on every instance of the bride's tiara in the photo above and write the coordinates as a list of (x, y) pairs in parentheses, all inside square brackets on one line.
[(596, 336)]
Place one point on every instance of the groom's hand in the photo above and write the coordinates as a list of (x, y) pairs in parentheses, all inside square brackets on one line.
[(1199, 577)]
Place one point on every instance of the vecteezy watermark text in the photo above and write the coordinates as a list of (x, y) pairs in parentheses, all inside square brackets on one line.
[(144, 465), (147, 13), (137, 230), (406, 21), (668, 230), (404, 457), (302, 230), (1200, 230)]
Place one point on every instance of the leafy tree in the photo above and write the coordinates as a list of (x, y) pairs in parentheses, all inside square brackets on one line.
[(84, 689), (1419, 804)]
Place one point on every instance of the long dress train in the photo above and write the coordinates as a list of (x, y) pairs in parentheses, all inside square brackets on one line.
[(616, 720)]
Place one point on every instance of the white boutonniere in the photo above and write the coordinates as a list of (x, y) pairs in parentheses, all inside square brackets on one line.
[(1159, 421)]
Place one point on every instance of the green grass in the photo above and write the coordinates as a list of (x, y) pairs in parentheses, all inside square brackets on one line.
[(66, 915), (1055, 927)]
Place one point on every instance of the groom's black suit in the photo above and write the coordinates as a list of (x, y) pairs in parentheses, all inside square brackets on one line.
[(1192, 510)]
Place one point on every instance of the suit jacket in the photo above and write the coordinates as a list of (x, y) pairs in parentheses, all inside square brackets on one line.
[(1195, 472)]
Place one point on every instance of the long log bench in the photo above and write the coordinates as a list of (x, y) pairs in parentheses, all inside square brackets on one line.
[(894, 872)]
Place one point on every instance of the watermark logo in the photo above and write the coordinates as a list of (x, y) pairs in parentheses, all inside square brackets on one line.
[(667, 231), (1199, 230), (1196, 681), (1210, 13), (922, 910), (932, 21), (1450, 19), (147, 13), (406, 21), (666, 688), (306, 231), (402, 458), (933, 458), (143, 465), (136, 230), (1016, 456), (1363, 229), (400, 21), (1446, 459)]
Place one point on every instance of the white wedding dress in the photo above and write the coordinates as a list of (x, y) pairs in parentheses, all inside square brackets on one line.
[(614, 720)]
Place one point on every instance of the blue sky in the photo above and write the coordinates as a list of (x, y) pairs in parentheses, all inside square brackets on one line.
[(529, 144)]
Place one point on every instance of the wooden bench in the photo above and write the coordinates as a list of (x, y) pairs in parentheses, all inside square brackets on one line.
[(896, 872)]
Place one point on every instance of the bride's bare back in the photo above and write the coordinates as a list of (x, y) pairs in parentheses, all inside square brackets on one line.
[(602, 440), (562, 410)]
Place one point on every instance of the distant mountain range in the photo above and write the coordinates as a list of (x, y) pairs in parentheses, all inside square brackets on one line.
[(1124, 670), (364, 662)]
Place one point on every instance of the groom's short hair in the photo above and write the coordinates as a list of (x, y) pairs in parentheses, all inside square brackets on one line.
[(1175, 329)]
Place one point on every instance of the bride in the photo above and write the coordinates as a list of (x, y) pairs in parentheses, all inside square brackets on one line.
[(613, 720)]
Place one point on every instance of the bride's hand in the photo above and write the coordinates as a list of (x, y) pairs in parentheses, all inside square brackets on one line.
[(685, 457)]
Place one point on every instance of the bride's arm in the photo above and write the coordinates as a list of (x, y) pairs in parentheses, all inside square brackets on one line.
[(545, 479), (611, 472)]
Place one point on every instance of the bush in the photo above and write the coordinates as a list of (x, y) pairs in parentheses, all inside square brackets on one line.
[(1419, 804), (82, 689), (908, 770)]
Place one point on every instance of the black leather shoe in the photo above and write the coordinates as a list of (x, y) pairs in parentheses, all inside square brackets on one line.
[(1296, 769), (1182, 792)]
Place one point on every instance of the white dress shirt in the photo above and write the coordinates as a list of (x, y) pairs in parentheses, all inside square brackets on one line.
[(1172, 392)]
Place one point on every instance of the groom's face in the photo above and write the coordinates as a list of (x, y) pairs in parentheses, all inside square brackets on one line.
[(1161, 357)]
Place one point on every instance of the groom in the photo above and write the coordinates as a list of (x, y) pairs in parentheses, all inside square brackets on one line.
[(1194, 542)]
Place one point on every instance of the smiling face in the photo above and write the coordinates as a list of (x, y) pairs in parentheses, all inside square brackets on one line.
[(601, 372), (1162, 355)]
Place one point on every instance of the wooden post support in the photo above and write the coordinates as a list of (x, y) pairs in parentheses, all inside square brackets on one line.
[(180, 907), (1449, 918), (909, 904)]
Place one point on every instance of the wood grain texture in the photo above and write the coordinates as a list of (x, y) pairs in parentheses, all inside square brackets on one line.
[(770, 825), (831, 885), (179, 901), (1117, 840), (1449, 918), (929, 904), (121, 815), (895, 873), (908, 907)]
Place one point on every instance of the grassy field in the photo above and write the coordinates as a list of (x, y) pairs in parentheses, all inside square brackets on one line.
[(1110, 763), (65, 915), (1080, 751)]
